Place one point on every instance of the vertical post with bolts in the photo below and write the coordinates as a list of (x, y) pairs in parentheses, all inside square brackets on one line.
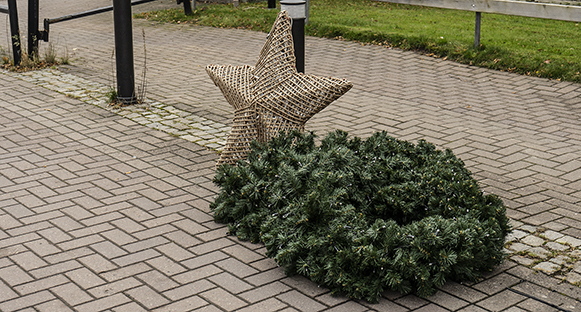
[(124, 51), (477, 30), (14, 32), (297, 12), (33, 28)]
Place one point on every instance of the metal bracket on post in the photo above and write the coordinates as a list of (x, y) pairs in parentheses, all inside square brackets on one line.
[(477, 30), (15, 32), (187, 6), (43, 34)]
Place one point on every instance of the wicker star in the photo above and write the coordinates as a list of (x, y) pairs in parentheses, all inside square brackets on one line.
[(272, 96)]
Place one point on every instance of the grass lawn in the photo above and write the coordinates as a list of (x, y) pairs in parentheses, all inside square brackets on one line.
[(529, 46)]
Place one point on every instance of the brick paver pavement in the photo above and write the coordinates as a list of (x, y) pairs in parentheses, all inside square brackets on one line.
[(101, 213)]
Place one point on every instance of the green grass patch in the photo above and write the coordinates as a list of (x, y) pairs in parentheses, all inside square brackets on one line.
[(529, 46)]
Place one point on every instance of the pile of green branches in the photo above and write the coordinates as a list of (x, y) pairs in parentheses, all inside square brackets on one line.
[(363, 216)]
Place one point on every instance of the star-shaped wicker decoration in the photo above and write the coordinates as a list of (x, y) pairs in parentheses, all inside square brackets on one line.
[(271, 96)]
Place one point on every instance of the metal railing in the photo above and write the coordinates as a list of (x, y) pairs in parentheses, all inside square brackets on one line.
[(561, 12), (34, 34), (44, 34)]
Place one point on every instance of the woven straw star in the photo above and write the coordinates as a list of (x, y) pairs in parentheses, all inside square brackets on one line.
[(272, 96)]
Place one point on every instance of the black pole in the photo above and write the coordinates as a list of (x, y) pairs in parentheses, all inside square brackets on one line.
[(124, 51), (296, 10), (14, 32), (187, 6), (272, 4), (477, 30), (32, 28), (298, 30)]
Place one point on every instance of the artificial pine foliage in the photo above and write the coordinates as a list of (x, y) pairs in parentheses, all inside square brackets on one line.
[(363, 216)]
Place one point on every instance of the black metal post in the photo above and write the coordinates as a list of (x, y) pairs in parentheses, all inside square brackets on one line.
[(14, 32), (187, 6), (33, 28), (477, 30), (272, 4), (296, 10), (124, 51), (298, 31)]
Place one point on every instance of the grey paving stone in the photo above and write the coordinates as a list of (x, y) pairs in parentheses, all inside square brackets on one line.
[(39, 284), (556, 246), (300, 301), (6, 293), (532, 240), (303, 285), (516, 234), (273, 289), (131, 306), (27, 301), (54, 305), (157, 280), (71, 294), (223, 299), (147, 297), (572, 241), (349, 306), (187, 304), (547, 267), (519, 247), (447, 301), (103, 303), (411, 301), (85, 278), (561, 260), (522, 260), (497, 283), (539, 252), (13, 275), (28, 260), (188, 290), (552, 235), (501, 301)]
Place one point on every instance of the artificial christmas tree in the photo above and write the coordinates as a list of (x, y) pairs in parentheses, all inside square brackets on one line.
[(363, 216)]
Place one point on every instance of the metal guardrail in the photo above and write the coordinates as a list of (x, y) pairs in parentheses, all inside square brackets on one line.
[(34, 34), (123, 39), (48, 21), (561, 12)]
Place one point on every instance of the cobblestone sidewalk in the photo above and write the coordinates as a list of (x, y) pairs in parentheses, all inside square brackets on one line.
[(152, 114), (102, 211)]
